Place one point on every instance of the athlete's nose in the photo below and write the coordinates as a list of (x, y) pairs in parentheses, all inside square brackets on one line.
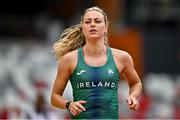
[(92, 24)]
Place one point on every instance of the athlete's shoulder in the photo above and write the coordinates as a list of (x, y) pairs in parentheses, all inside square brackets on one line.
[(72, 54), (69, 57), (68, 61), (121, 54)]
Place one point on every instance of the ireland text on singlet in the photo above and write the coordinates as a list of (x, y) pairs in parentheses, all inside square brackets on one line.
[(98, 86)]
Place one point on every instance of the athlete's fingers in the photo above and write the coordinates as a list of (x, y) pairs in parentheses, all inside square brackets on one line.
[(137, 105), (134, 102), (128, 101), (82, 102), (74, 108), (134, 108), (81, 106), (77, 109), (74, 112)]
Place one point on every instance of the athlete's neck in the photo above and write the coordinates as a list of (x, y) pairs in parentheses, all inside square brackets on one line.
[(94, 50)]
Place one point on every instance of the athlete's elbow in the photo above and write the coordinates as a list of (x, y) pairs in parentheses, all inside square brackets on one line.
[(52, 101)]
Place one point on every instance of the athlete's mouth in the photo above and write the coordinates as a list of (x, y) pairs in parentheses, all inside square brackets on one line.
[(92, 30)]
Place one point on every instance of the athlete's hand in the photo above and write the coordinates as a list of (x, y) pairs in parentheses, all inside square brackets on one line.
[(77, 107), (132, 102)]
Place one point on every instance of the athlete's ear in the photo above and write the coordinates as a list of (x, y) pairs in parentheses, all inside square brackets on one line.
[(106, 30)]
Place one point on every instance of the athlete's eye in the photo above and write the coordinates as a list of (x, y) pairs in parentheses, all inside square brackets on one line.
[(98, 21), (87, 22)]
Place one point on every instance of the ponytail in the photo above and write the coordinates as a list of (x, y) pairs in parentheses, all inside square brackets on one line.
[(70, 39)]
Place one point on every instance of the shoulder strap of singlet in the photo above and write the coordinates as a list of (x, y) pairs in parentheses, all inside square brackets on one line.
[(80, 56), (110, 56)]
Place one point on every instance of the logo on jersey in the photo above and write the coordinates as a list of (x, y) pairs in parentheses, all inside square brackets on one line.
[(110, 71), (81, 72)]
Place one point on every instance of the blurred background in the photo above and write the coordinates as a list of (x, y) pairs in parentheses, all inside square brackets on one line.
[(148, 29)]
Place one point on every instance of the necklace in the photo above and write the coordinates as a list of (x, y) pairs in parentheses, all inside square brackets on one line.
[(98, 52)]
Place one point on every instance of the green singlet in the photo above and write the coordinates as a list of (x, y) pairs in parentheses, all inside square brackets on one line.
[(98, 86)]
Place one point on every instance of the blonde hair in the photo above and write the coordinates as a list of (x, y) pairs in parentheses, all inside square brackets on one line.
[(73, 38)]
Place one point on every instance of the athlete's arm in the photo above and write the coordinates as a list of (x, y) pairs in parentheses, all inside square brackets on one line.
[(63, 74), (134, 82)]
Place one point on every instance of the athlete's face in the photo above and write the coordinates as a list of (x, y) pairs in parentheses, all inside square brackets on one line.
[(93, 25)]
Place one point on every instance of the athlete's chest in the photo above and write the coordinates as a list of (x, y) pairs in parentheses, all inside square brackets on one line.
[(89, 73), (95, 61), (86, 77)]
